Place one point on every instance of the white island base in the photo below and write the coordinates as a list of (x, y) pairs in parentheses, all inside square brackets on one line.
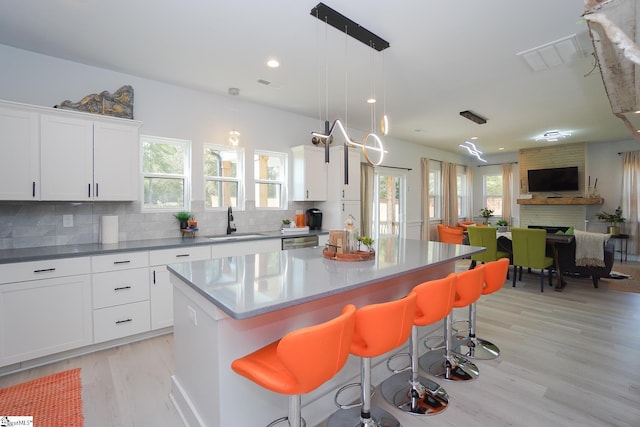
[(206, 392)]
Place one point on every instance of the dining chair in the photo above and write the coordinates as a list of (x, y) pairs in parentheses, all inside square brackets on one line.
[(449, 234), (529, 246), (486, 237)]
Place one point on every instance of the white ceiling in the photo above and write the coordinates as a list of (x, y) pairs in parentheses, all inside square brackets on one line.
[(445, 57)]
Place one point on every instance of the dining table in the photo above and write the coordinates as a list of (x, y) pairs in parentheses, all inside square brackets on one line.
[(553, 240)]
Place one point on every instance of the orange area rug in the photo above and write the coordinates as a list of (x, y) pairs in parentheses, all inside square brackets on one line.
[(53, 401)]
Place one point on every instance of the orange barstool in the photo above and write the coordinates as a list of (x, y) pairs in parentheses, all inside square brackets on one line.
[(407, 390), (495, 274), (301, 361), (447, 364), (379, 329)]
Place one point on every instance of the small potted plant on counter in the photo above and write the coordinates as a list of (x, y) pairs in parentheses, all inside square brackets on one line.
[(183, 218), (367, 242), (613, 219), (486, 213), (501, 225)]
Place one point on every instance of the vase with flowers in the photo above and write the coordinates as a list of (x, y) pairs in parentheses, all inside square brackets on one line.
[(486, 213)]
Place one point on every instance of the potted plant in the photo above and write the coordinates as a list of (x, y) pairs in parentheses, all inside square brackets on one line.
[(486, 213), (367, 242), (183, 218), (613, 219), (286, 223), (502, 225)]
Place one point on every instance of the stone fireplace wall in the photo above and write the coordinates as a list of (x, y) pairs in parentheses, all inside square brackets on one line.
[(554, 157)]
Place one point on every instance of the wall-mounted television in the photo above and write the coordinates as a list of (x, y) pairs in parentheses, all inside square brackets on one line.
[(554, 179)]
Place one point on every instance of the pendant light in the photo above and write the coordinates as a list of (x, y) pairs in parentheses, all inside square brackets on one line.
[(234, 135)]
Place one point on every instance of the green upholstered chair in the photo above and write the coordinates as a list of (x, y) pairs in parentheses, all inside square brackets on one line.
[(486, 237), (529, 245)]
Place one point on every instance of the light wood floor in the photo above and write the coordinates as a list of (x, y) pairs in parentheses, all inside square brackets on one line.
[(568, 359)]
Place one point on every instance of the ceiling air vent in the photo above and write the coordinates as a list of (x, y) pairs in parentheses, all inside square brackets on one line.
[(561, 51)]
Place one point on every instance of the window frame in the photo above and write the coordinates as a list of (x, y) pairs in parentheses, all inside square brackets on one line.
[(186, 176), (486, 195), (435, 191), (282, 181), (463, 191), (239, 178)]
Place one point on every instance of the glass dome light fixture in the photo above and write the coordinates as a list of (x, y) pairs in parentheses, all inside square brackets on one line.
[(234, 135), (552, 136)]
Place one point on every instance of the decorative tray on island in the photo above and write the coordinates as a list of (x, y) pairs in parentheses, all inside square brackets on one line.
[(330, 253)]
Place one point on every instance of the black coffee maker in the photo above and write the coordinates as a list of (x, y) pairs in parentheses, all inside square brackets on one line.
[(314, 219)]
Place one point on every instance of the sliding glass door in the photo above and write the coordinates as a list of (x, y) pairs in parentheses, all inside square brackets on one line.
[(389, 202)]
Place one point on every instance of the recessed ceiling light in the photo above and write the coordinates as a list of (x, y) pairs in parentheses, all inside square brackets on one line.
[(500, 148), (371, 101), (474, 137), (273, 63)]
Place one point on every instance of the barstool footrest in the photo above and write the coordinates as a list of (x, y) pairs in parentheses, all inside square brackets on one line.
[(475, 348), (340, 390), (425, 397), (452, 368)]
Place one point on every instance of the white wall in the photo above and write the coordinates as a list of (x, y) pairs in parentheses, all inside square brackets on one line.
[(171, 111)]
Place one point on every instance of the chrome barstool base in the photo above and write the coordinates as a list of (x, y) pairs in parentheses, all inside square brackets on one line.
[(460, 369), (431, 398), (475, 348), (351, 418)]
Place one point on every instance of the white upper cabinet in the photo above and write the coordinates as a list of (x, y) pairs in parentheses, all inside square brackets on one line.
[(66, 150), (309, 174), (338, 190), (19, 162), (66, 155), (115, 161)]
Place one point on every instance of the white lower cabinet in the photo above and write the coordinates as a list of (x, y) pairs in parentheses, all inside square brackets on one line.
[(120, 284), (160, 289), (120, 321), (246, 248), (43, 316)]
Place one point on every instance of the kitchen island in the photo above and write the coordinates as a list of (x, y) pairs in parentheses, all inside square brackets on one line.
[(227, 307)]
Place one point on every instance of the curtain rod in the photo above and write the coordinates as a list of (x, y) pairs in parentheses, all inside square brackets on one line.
[(394, 167), (498, 164)]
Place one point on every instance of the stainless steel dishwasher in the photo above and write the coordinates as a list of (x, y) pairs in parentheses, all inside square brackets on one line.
[(299, 242)]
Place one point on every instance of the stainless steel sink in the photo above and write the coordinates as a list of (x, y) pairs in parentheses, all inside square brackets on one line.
[(233, 237)]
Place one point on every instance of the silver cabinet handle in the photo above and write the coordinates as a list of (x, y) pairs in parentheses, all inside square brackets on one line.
[(122, 288), (118, 322)]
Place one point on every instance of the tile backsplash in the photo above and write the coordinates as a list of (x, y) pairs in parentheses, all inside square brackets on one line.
[(34, 224)]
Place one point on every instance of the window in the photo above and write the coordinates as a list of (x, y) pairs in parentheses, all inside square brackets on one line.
[(166, 168), (493, 193), (435, 190), (223, 173), (270, 177), (461, 183)]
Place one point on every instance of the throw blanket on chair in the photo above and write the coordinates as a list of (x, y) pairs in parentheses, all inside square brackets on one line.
[(590, 248)]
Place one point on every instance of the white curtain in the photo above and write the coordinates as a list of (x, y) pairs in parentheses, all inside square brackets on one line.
[(424, 170), (630, 200), (449, 194), (506, 192), (469, 210)]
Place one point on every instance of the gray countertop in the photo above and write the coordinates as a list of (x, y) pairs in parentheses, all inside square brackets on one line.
[(251, 285), (79, 250)]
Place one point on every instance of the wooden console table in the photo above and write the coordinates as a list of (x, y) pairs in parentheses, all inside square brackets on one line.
[(562, 201)]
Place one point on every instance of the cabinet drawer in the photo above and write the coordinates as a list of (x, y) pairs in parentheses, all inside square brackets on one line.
[(170, 256), (120, 287), (119, 261), (45, 269), (120, 321)]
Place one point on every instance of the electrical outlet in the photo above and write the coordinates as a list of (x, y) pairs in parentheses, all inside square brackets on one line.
[(67, 220), (192, 315)]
